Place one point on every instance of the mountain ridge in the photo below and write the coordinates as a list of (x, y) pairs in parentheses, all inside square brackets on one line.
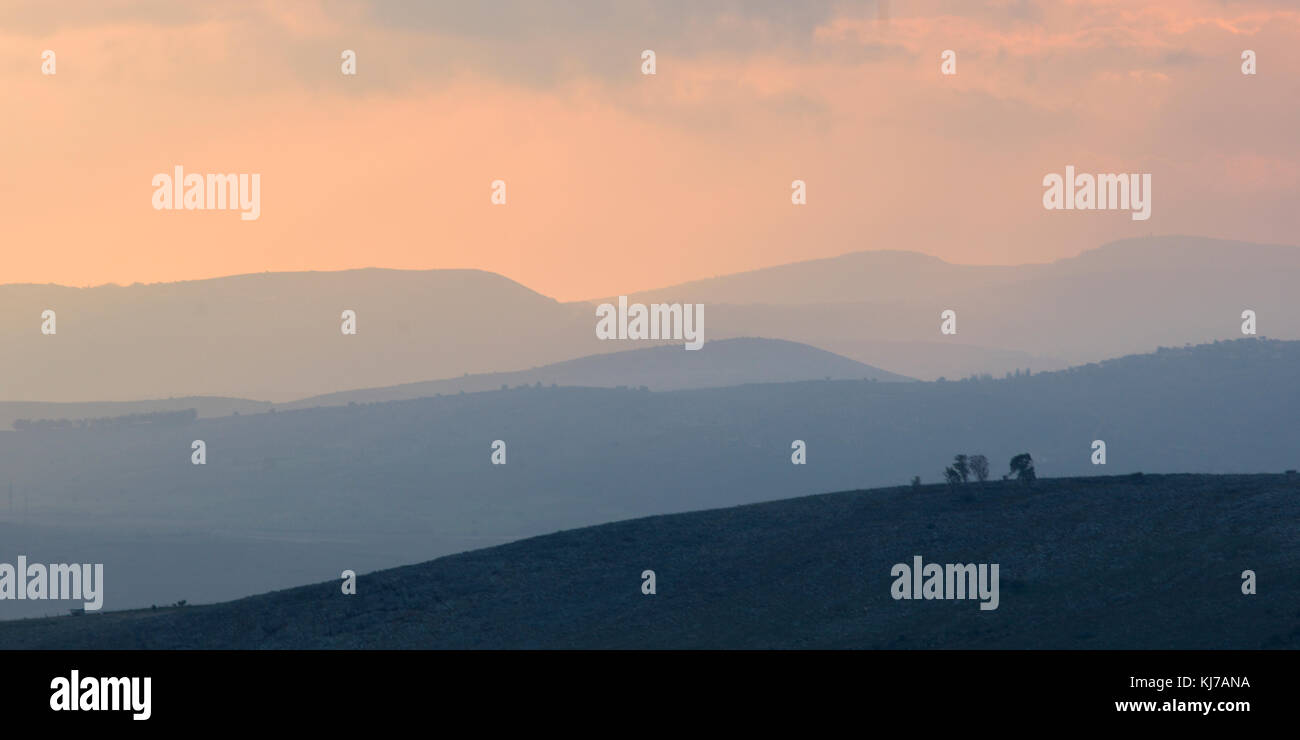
[(278, 338)]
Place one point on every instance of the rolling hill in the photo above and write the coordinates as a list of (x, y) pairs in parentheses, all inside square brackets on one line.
[(883, 307), (663, 368), (276, 336), (294, 496), (1133, 562), (204, 407), (728, 362)]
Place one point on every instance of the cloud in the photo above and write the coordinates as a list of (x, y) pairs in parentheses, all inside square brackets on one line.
[(621, 181)]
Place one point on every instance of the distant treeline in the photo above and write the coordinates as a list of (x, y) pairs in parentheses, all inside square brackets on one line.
[(155, 418)]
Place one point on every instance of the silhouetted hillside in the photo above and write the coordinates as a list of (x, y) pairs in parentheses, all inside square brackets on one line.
[(11, 411), (728, 362), (388, 483), (1116, 562), (665, 368), (883, 307), (276, 336)]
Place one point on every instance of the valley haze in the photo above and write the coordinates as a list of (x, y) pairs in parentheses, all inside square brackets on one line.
[(330, 452)]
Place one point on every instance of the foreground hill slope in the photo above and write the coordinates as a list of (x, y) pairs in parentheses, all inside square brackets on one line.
[(1107, 562)]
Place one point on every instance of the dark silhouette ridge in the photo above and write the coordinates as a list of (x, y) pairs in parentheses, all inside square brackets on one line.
[(1080, 568)]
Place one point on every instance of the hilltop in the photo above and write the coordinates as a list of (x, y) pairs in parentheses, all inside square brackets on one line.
[(665, 368)]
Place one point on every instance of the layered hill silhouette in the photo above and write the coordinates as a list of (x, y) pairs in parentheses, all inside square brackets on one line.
[(276, 336), (298, 496), (1130, 296), (204, 407), (1132, 562), (663, 368), (729, 362)]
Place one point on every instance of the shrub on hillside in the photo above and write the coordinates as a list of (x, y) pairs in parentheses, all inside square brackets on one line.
[(1022, 467)]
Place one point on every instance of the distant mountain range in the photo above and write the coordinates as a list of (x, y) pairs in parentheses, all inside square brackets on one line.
[(728, 362), (1130, 296), (290, 496), (11, 411), (276, 336), (1078, 568), (665, 368)]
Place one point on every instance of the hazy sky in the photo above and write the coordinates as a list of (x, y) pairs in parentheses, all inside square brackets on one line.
[(617, 181)]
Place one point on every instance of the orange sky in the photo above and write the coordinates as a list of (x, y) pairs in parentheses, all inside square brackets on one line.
[(618, 181)]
